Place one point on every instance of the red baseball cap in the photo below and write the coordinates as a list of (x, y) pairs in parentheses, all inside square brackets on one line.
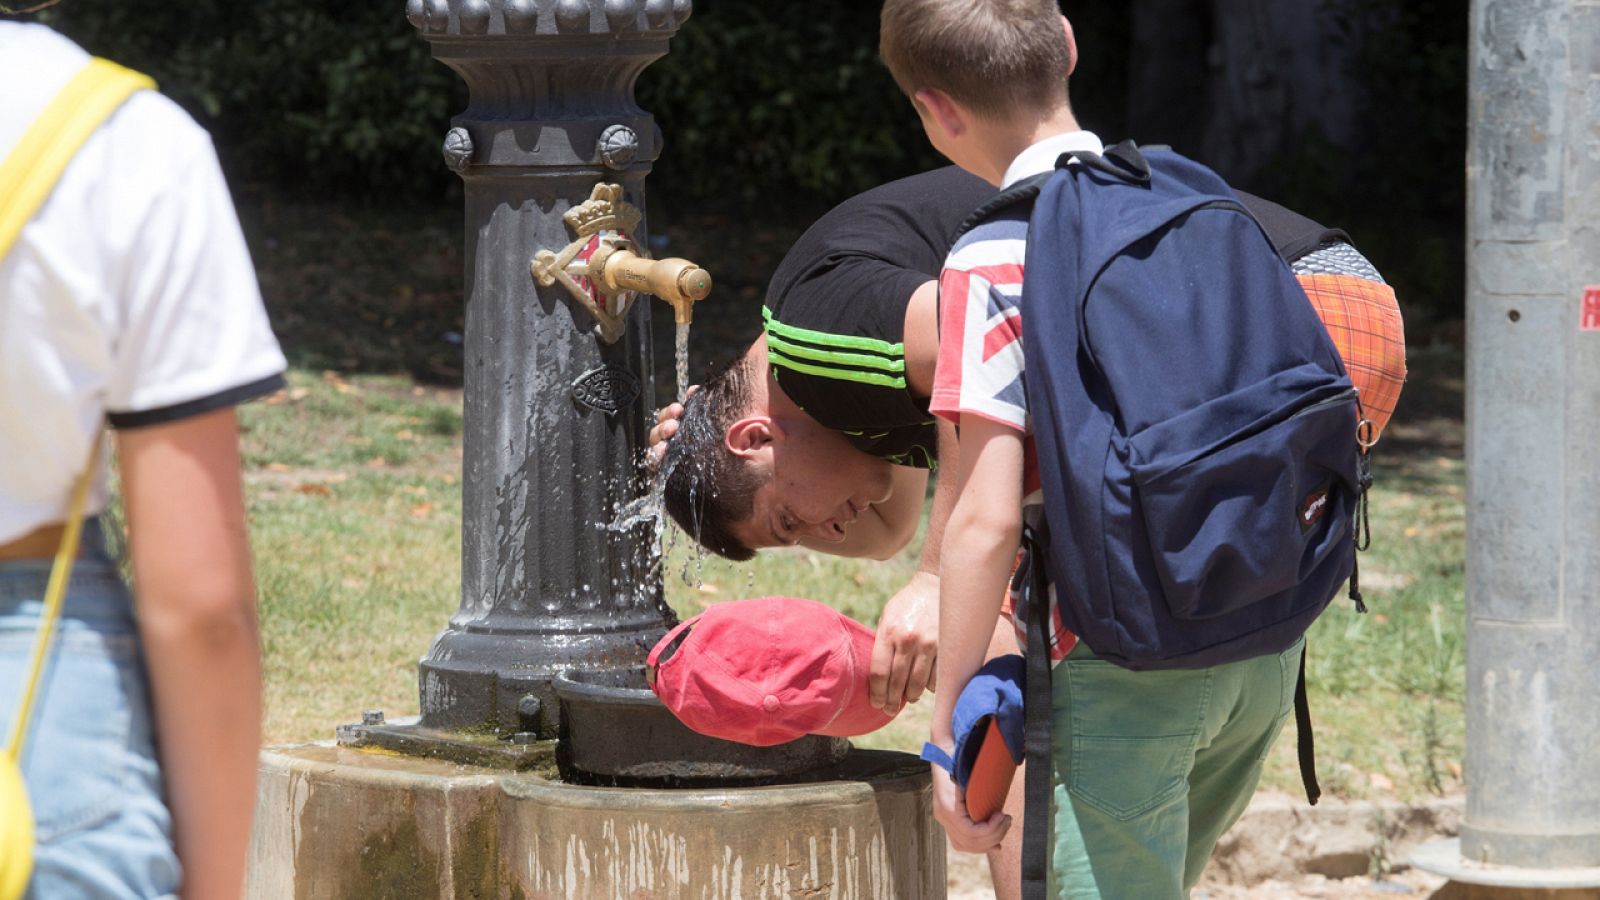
[(767, 671)]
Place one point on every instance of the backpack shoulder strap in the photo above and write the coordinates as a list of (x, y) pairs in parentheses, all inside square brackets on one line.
[(1019, 194), (1121, 161), (30, 172), (1291, 233), (1037, 726)]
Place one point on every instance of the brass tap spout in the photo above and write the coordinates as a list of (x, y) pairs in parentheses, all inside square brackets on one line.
[(603, 254), (678, 281)]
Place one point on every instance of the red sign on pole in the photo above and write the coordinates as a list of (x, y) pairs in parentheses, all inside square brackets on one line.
[(1591, 309)]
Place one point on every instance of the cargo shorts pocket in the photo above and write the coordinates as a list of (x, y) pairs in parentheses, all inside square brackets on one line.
[(1127, 739), (1126, 778)]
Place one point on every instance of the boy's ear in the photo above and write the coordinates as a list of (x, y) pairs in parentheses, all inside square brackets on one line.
[(939, 111), (751, 436), (1072, 45)]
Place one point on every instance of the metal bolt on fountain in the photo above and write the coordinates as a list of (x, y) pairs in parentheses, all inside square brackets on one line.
[(541, 765)]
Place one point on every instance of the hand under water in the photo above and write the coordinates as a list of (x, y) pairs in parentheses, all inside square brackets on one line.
[(666, 426)]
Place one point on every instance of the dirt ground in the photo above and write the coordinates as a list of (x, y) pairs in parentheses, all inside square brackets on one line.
[(1283, 848), (969, 880), (1407, 883)]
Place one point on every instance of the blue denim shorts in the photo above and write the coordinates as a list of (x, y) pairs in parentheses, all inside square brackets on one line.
[(104, 830)]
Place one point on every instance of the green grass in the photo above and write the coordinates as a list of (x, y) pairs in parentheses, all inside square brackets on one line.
[(354, 497), (355, 512), (1386, 688)]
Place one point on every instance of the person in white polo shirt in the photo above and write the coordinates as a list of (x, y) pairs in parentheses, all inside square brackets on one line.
[(128, 299)]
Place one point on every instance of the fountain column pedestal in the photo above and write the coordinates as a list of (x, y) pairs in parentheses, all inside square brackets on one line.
[(555, 413)]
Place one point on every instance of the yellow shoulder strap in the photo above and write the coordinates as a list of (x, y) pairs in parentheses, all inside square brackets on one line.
[(26, 178), (55, 593), (30, 173)]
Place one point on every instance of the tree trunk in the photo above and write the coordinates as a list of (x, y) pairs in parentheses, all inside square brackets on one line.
[(1240, 84)]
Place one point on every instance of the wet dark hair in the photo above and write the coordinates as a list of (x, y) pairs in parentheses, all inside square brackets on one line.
[(707, 489)]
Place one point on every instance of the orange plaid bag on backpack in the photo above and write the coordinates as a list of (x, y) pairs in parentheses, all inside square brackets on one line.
[(1363, 318), (1356, 306)]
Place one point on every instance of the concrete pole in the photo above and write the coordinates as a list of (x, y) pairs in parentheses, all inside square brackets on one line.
[(555, 417), (1533, 437)]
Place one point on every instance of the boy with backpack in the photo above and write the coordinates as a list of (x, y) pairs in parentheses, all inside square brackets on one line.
[(1154, 755)]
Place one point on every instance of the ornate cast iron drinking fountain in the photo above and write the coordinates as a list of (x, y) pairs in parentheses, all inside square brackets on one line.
[(554, 419), (553, 153), (561, 592)]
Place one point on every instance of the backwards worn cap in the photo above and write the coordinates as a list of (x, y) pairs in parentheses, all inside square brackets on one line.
[(767, 671)]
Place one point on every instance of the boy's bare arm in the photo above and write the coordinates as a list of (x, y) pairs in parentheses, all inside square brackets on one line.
[(921, 338), (944, 498), (980, 548), (904, 656), (908, 631)]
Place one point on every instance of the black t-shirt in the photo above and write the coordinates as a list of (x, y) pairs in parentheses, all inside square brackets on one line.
[(836, 307)]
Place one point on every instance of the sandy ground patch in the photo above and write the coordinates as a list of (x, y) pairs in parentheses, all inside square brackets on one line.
[(1283, 848)]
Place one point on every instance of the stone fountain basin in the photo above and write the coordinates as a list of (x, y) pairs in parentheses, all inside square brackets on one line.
[(615, 731)]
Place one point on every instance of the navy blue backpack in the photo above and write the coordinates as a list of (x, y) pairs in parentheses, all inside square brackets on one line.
[(1194, 423), (1195, 431)]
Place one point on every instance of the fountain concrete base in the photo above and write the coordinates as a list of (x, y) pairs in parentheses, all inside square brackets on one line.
[(344, 824)]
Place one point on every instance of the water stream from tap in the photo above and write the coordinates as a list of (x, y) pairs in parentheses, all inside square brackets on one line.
[(681, 349), (647, 510)]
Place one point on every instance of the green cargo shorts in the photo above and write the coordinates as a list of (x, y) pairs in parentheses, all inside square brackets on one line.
[(1150, 768)]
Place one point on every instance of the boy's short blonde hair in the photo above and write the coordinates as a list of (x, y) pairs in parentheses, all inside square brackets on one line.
[(995, 57)]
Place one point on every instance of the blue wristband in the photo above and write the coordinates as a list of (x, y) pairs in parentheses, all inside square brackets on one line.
[(936, 755)]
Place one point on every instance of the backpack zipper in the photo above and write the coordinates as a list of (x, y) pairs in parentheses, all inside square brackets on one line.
[(1342, 396)]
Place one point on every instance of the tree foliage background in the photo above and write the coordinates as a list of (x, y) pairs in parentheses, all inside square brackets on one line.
[(785, 106)]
